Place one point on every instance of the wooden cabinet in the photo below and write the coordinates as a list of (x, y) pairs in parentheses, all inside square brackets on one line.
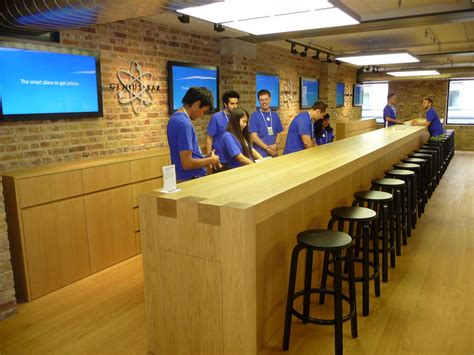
[(69, 220)]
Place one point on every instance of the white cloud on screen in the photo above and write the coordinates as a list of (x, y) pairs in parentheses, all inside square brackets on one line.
[(198, 77)]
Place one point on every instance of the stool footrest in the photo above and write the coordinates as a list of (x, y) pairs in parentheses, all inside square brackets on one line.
[(319, 321)]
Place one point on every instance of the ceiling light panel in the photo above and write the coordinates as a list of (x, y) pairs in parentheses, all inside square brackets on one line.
[(414, 73), (379, 58)]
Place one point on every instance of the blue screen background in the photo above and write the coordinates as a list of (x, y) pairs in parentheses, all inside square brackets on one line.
[(339, 94), (309, 92), (73, 78), (187, 77), (272, 84)]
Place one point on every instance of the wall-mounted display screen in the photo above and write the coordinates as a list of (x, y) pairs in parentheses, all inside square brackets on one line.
[(39, 84), (339, 94), (358, 95), (270, 82), (182, 76), (309, 92)]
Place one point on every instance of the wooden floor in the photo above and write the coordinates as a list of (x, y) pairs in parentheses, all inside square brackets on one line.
[(427, 307)]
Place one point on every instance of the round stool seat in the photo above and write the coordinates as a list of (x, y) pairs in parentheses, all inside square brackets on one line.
[(400, 172), (388, 182), (420, 155), (324, 239), (406, 166), (415, 160), (355, 214), (375, 196), (423, 150)]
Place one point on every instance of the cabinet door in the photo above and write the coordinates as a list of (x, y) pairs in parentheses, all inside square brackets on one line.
[(56, 245), (110, 227)]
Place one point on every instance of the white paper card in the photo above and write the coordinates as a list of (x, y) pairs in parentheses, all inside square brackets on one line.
[(169, 179), (270, 131)]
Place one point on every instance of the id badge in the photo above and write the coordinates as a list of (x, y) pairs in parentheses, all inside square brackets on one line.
[(270, 131)]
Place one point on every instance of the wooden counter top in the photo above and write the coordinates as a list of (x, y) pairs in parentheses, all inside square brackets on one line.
[(289, 177)]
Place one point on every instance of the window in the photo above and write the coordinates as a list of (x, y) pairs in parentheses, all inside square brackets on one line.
[(374, 101), (460, 102)]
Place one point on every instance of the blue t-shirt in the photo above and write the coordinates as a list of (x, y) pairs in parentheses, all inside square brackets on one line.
[(182, 136), (301, 125), (216, 128), (260, 122), (389, 111), (326, 137), (435, 128), (232, 148)]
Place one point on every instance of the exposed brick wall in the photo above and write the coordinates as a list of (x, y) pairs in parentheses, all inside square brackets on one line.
[(410, 95), (7, 292)]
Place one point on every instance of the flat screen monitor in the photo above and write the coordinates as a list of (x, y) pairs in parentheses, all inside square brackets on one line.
[(339, 94), (309, 92), (358, 95), (270, 82), (182, 76), (48, 84)]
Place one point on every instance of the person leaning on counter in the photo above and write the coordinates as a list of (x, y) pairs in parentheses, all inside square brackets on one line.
[(218, 125), (301, 131), (265, 126), (185, 152), (323, 132), (237, 147), (432, 121)]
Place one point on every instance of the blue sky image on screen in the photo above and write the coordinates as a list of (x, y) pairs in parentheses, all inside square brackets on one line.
[(272, 84), (37, 82), (309, 92), (358, 94), (340, 94), (186, 77)]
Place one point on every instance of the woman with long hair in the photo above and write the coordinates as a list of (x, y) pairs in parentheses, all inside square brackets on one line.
[(238, 149), (323, 132)]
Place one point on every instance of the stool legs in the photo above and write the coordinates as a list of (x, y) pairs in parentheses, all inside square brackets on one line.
[(307, 282), (338, 302)]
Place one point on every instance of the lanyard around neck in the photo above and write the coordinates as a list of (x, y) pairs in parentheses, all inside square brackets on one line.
[(264, 120)]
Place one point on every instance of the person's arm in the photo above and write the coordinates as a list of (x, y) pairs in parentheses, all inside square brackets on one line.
[(418, 123), (190, 163), (390, 119), (256, 140), (256, 155), (307, 141), (242, 159), (209, 141)]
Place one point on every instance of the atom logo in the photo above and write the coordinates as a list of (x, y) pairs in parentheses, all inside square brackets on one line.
[(136, 88)]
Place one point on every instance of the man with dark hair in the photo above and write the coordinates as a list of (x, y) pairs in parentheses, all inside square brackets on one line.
[(301, 131), (265, 127), (218, 125), (182, 139), (432, 121), (389, 112)]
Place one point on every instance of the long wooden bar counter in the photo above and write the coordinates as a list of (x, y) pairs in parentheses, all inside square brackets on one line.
[(216, 254)]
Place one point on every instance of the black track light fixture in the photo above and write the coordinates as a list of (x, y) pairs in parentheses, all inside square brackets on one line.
[(328, 58), (293, 49), (183, 18), (218, 27), (305, 52), (316, 56)]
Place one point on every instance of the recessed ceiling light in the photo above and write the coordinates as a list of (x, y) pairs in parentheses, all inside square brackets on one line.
[(413, 73), (274, 16), (379, 58)]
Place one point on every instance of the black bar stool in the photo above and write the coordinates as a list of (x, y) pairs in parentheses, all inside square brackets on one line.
[(329, 242), (439, 158), (436, 174), (441, 148), (382, 202), (417, 188), (430, 177), (410, 180), (423, 163), (361, 218), (397, 188)]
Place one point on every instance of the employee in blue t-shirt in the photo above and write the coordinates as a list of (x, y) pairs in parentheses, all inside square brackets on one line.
[(323, 132), (218, 125), (301, 131), (432, 121), (238, 149), (265, 127), (389, 111), (182, 139)]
